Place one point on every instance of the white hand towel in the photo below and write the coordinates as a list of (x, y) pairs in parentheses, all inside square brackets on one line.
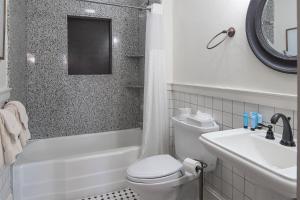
[(11, 123), (11, 146), (23, 135), (23, 117)]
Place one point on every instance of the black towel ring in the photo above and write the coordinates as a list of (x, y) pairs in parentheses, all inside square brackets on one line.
[(229, 33)]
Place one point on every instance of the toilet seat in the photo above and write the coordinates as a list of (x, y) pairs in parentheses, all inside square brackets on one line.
[(174, 176), (155, 169)]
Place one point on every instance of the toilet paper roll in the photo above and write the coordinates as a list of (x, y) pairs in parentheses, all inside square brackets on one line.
[(191, 166)]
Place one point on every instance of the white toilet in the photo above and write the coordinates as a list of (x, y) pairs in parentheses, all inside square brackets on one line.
[(163, 177)]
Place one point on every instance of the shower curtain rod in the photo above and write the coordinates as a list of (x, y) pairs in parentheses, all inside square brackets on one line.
[(115, 4)]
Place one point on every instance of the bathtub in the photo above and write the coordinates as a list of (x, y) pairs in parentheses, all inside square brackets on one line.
[(69, 168)]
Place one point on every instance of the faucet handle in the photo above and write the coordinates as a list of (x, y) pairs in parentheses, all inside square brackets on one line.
[(262, 125), (270, 133)]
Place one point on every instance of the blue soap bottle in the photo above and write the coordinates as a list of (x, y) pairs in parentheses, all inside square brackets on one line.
[(253, 121), (246, 119), (259, 118)]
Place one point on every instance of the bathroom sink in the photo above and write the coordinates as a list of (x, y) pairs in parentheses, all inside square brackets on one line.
[(266, 162)]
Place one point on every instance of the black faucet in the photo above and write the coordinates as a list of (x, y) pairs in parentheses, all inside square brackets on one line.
[(287, 135)]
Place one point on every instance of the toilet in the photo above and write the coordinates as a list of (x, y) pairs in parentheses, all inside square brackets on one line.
[(163, 177)]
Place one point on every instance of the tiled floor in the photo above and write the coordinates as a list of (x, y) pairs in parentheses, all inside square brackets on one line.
[(125, 194)]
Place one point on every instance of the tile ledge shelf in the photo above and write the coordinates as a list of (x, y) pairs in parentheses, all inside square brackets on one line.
[(134, 86), (137, 56), (279, 100), (4, 95)]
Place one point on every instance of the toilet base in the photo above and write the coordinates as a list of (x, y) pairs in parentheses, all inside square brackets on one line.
[(186, 191)]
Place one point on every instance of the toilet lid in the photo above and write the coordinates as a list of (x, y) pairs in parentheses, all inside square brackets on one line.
[(155, 167)]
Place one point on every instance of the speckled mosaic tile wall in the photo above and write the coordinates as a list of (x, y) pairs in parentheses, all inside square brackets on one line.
[(61, 105), (268, 20)]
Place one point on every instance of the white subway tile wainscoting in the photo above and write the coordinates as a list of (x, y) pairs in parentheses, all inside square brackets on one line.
[(227, 181)]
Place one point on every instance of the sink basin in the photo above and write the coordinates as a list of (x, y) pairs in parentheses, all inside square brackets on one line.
[(266, 162)]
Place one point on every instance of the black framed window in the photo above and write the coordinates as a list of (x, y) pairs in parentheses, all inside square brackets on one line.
[(89, 46)]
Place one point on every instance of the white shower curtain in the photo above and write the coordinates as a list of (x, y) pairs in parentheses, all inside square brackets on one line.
[(156, 124)]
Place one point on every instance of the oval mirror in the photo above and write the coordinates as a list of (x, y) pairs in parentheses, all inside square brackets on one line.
[(272, 33)]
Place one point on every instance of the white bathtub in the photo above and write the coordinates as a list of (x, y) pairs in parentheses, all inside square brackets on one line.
[(68, 168)]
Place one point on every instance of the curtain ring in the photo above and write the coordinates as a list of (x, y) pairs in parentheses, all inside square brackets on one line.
[(229, 33)]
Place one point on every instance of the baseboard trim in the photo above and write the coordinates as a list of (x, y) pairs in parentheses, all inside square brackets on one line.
[(214, 193), (278, 100)]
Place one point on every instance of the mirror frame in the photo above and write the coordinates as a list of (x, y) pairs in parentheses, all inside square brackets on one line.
[(260, 47)]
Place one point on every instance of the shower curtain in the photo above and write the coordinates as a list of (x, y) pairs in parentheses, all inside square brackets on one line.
[(155, 121)]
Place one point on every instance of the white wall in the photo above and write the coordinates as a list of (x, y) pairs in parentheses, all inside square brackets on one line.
[(168, 35), (3, 66), (3, 74), (233, 64)]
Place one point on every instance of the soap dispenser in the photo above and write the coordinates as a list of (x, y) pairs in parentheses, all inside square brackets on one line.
[(253, 121)]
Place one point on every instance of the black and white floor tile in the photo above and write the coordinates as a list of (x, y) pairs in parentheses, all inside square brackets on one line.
[(125, 194)]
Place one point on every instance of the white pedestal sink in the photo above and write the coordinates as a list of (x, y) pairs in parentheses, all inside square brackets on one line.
[(270, 164)]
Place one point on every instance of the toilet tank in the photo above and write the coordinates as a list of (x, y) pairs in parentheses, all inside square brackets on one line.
[(188, 145)]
